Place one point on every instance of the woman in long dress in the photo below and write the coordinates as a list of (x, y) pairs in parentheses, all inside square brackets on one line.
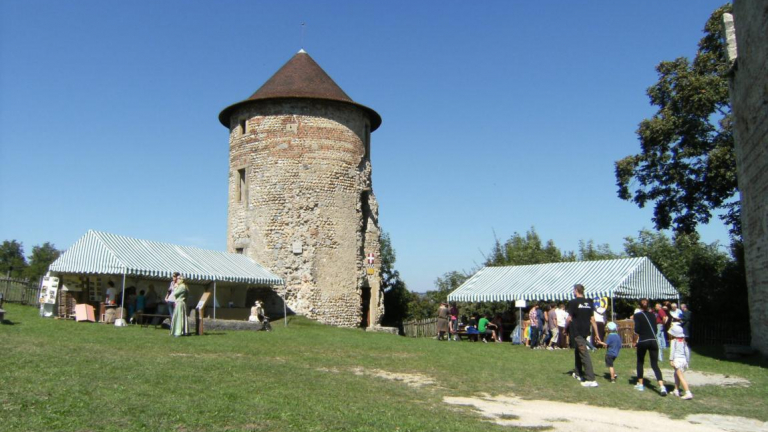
[(179, 321)]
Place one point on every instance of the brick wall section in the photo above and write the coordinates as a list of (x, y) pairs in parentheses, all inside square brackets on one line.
[(749, 96), (307, 175)]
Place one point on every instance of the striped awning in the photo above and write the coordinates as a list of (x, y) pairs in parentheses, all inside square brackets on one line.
[(620, 278), (104, 253)]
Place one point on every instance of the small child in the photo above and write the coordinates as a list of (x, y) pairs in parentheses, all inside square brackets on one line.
[(679, 357), (613, 343)]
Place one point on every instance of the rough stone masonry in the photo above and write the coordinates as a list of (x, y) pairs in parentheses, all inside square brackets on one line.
[(748, 50), (300, 196)]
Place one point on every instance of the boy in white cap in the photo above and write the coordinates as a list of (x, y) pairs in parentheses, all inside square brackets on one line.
[(613, 343), (679, 357)]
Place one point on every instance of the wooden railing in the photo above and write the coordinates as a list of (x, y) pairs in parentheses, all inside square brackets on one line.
[(21, 291), (421, 328)]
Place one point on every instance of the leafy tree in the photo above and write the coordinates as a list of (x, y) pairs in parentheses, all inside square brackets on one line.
[(396, 294), (42, 257), (519, 250), (712, 281), (12, 259), (589, 252), (687, 166)]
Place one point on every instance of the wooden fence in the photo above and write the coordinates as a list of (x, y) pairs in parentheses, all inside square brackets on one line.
[(420, 328), (21, 291)]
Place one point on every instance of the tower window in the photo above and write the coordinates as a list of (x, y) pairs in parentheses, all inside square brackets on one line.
[(239, 251), (242, 186), (243, 126)]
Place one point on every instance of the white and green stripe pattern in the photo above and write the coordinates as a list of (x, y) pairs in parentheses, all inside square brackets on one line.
[(104, 253), (620, 278)]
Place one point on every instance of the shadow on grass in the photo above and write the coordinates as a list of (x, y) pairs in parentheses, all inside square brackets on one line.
[(8, 322), (718, 352)]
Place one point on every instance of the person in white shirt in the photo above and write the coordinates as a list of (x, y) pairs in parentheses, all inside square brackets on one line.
[(600, 321)]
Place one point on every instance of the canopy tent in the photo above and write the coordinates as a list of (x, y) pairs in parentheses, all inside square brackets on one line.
[(631, 278), (104, 253)]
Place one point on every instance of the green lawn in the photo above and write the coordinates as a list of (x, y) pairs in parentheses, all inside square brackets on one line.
[(58, 375)]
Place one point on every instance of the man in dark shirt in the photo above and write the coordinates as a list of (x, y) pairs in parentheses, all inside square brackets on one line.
[(580, 319)]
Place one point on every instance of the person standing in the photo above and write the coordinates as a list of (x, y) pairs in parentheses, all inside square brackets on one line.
[(661, 322), (533, 317), (600, 321), (169, 297), (443, 314), (646, 341), (454, 311), (562, 318), (685, 321), (179, 321), (554, 328), (580, 320)]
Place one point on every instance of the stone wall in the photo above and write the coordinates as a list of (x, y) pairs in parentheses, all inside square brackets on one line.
[(301, 203), (749, 96)]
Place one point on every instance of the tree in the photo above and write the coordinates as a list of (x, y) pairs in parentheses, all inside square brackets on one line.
[(519, 250), (396, 294), (41, 258), (687, 166), (589, 252), (12, 259)]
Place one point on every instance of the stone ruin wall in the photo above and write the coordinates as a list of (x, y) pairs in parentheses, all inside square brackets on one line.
[(308, 186), (749, 95)]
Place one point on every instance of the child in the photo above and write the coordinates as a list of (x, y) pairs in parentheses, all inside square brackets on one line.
[(679, 357), (613, 343)]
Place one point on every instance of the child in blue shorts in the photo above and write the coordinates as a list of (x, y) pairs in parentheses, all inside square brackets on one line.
[(613, 343)]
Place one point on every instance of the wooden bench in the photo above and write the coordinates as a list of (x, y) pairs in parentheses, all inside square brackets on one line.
[(140, 319)]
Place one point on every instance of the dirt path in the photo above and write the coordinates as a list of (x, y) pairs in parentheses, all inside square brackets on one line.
[(561, 416)]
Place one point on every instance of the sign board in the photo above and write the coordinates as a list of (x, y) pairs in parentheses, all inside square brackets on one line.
[(371, 271), (49, 290), (371, 259), (519, 303), (203, 300)]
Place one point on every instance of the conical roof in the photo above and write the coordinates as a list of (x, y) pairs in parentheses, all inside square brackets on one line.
[(300, 78)]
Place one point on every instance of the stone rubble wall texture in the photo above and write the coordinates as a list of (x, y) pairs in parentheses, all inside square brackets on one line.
[(749, 96), (309, 186)]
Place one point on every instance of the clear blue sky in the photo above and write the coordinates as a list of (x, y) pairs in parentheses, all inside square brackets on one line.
[(497, 116)]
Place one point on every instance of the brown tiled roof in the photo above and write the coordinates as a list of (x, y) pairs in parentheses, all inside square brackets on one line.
[(301, 77)]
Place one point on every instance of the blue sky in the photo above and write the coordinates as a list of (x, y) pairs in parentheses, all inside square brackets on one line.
[(498, 116)]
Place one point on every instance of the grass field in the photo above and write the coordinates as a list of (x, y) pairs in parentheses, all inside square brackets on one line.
[(61, 375)]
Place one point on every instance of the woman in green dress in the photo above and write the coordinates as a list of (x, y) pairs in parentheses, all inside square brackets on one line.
[(179, 322)]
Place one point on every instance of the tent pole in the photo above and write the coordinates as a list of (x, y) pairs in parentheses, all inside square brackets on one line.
[(214, 300), (285, 308)]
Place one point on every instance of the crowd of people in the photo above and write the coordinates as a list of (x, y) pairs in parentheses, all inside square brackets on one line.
[(584, 327)]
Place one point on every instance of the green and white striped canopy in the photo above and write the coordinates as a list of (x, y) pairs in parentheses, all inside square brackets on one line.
[(103, 253), (631, 278)]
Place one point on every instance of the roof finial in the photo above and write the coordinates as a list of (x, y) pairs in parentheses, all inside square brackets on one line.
[(302, 38)]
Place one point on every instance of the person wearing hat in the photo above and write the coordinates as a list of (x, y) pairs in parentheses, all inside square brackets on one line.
[(443, 315), (679, 357), (613, 343)]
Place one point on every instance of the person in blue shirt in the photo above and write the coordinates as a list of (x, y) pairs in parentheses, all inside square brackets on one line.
[(613, 343)]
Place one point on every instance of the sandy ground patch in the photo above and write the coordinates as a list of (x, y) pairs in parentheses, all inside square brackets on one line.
[(696, 378), (411, 380), (561, 416)]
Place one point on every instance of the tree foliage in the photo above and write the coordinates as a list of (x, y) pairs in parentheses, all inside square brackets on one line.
[(522, 250), (687, 166), (396, 294), (12, 260), (42, 257)]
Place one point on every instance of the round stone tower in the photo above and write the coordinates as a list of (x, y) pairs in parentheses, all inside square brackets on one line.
[(300, 196)]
